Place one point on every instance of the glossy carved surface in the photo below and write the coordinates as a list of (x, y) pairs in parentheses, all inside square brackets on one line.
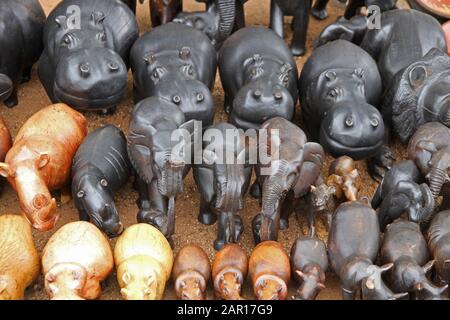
[(19, 259), (100, 168), (191, 273), (84, 63), (40, 160), (144, 262), (438, 236), (75, 260), (22, 24)]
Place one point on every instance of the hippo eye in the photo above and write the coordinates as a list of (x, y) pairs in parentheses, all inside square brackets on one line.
[(104, 183), (84, 70), (374, 122), (176, 99), (67, 39), (102, 36), (200, 97), (349, 121), (333, 93), (80, 194), (278, 95)]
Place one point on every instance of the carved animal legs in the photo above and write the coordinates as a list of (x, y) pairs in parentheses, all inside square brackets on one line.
[(229, 229), (352, 8), (239, 22), (319, 10), (26, 74), (301, 22), (276, 19), (381, 163), (348, 294), (12, 101), (206, 215)]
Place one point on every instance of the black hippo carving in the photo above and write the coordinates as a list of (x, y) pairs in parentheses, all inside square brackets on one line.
[(86, 47), (178, 64)]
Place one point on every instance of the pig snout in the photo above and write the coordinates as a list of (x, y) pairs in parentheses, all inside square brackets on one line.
[(91, 79), (356, 131)]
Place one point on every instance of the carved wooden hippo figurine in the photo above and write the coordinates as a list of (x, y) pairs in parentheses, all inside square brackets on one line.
[(100, 168), (429, 148), (41, 158), (403, 190), (291, 167), (340, 87), (21, 26), (406, 247), (75, 260), (353, 244), (19, 259), (223, 182), (5, 140), (177, 64), (86, 48), (438, 237), (259, 77), (309, 262), (160, 159), (220, 19)]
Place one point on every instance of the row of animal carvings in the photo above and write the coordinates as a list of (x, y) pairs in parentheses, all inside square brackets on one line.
[(78, 257)]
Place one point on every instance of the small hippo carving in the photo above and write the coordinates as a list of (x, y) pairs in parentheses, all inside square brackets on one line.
[(223, 183), (220, 19), (403, 190), (100, 168), (353, 245), (21, 28), (340, 87), (40, 161), (177, 64), (85, 57), (429, 148), (159, 160), (406, 247), (259, 77), (296, 167), (438, 237)]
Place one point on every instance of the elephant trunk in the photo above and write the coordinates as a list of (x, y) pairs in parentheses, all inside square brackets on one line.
[(437, 178), (426, 211), (171, 182), (229, 187)]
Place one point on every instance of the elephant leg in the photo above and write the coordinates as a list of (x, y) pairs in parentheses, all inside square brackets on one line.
[(276, 18), (26, 74), (206, 215), (286, 211), (301, 22), (143, 201), (239, 22), (156, 212), (224, 231), (352, 8), (319, 9), (12, 101), (348, 294)]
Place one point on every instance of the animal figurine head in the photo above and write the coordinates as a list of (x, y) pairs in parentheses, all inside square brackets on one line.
[(270, 271), (321, 195), (429, 148), (417, 94), (344, 176), (191, 273), (144, 262), (74, 261), (89, 73), (229, 271)]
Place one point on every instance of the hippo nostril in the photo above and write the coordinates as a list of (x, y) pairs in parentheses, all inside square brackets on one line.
[(176, 99), (257, 94), (114, 67), (278, 95), (84, 69), (200, 97), (374, 122), (349, 122)]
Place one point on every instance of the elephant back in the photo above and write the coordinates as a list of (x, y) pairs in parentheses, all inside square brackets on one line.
[(355, 231), (404, 238), (119, 20)]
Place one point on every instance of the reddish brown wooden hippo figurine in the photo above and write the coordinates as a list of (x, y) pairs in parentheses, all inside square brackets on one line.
[(5, 140), (40, 160)]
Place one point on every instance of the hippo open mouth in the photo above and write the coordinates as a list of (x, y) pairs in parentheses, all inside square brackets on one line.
[(339, 148), (6, 87)]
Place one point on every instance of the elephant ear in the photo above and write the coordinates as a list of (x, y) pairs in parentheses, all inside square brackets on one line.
[(227, 16), (193, 132), (139, 144), (313, 156)]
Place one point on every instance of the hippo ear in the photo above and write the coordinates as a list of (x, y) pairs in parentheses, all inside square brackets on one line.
[(387, 267), (6, 170), (61, 21), (43, 160), (417, 76), (97, 17), (427, 268)]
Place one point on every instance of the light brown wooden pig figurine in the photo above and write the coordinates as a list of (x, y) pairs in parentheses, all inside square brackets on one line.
[(40, 160), (144, 261), (229, 271), (191, 273), (270, 271), (19, 260), (75, 260)]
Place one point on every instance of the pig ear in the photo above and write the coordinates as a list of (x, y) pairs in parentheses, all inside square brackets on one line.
[(5, 170), (427, 268), (43, 160), (417, 76)]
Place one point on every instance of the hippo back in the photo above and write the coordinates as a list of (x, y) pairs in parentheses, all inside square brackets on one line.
[(105, 149), (171, 38), (439, 229), (309, 250), (244, 44), (119, 20), (354, 231), (404, 238)]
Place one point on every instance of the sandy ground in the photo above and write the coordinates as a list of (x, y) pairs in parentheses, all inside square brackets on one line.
[(188, 230)]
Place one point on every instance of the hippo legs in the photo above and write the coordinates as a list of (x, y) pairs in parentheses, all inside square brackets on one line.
[(108, 111), (319, 9), (300, 24), (381, 163)]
